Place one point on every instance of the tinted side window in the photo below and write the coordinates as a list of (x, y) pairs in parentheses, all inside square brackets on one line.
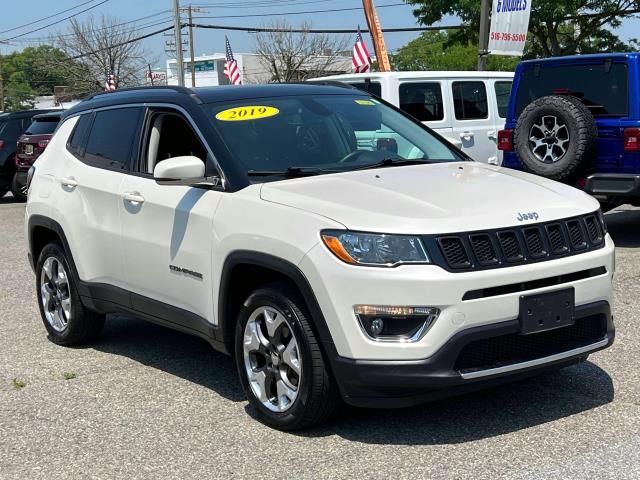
[(113, 135), (470, 100), (605, 91), (77, 142), (374, 87), (422, 100), (503, 92)]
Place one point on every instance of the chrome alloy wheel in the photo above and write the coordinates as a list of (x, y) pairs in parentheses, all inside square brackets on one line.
[(549, 139), (272, 359), (54, 294)]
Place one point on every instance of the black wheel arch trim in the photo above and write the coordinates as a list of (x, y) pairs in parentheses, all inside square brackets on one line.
[(285, 268)]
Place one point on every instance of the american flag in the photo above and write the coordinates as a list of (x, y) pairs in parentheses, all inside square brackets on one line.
[(360, 57), (231, 70), (110, 84)]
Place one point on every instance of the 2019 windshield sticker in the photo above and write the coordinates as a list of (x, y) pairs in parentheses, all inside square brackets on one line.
[(365, 102), (250, 112)]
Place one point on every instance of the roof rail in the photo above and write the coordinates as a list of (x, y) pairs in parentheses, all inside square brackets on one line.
[(183, 90), (330, 83)]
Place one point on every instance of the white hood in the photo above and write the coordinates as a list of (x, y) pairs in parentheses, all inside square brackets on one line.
[(423, 199)]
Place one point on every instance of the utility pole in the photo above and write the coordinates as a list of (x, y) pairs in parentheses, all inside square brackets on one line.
[(485, 25), (376, 34), (177, 24)]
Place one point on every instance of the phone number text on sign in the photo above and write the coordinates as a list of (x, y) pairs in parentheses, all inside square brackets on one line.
[(509, 37)]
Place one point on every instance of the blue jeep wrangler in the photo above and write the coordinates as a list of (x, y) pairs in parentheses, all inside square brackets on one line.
[(577, 120)]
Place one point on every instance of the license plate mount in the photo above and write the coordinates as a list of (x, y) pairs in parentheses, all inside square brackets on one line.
[(547, 311), (28, 149)]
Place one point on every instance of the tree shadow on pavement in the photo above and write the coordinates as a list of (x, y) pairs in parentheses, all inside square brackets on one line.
[(179, 354), (479, 415), (623, 227)]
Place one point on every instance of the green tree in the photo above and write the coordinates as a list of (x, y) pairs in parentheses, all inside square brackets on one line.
[(556, 27), (18, 93), (435, 50)]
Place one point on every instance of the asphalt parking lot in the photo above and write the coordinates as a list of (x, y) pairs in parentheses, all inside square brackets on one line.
[(146, 402)]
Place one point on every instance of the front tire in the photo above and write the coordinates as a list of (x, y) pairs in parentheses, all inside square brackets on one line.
[(67, 321), (280, 362)]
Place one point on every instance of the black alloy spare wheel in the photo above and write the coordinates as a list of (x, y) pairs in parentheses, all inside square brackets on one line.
[(555, 137)]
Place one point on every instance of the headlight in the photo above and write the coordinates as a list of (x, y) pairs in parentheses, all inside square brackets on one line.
[(374, 249)]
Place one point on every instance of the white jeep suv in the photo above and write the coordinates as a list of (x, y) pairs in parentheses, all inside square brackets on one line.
[(331, 266)]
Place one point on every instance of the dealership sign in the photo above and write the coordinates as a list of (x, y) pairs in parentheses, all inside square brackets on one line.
[(509, 26)]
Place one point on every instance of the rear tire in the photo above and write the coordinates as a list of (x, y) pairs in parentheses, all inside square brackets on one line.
[(271, 320), (67, 321), (18, 190)]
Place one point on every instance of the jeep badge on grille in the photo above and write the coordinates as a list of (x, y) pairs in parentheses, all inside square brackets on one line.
[(522, 217)]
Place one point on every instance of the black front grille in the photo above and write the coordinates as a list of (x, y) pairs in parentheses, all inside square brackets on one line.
[(483, 249), (533, 243), (454, 251), (576, 236), (514, 348), (593, 227), (510, 246)]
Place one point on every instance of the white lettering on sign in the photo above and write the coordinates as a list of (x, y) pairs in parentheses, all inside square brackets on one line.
[(509, 27)]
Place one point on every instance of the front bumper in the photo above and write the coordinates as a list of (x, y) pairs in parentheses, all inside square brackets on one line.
[(387, 384), (613, 185)]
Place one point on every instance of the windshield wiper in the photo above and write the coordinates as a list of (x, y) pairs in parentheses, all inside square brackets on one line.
[(395, 162), (291, 172)]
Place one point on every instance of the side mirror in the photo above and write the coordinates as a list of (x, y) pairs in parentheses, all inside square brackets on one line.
[(175, 169)]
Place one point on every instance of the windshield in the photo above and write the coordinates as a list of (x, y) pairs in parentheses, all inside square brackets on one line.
[(324, 133), (42, 126)]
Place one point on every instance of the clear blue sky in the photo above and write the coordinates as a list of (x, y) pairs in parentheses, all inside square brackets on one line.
[(16, 12)]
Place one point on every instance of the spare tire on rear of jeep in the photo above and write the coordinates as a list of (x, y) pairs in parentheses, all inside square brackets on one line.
[(555, 137)]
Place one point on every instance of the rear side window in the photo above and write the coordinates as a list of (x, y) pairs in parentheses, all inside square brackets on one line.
[(12, 129), (374, 87), (77, 141), (423, 100), (503, 92), (112, 138), (606, 93), (42, 126), (470, 100)]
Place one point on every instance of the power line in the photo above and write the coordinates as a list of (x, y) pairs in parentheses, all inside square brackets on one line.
[(302, 12), (312, 30), (142, 37), (260, 4), (57, 21), (46, 18), (143, 26)]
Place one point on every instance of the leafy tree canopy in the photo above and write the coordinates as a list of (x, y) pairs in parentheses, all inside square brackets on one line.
[(435, 50), (556, 27)]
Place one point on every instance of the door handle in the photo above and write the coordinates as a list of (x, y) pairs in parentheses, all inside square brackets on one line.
[(134, 198), (493, 135), (69, 182), (466, 135)]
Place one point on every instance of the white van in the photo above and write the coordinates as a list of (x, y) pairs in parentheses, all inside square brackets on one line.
[(467, 108)]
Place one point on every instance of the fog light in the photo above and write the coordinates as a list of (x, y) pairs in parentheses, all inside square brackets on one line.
[(377, 325), (395, 323)]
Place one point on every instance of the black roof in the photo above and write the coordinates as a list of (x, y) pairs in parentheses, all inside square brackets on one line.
[(22, 114), (201, 95)]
